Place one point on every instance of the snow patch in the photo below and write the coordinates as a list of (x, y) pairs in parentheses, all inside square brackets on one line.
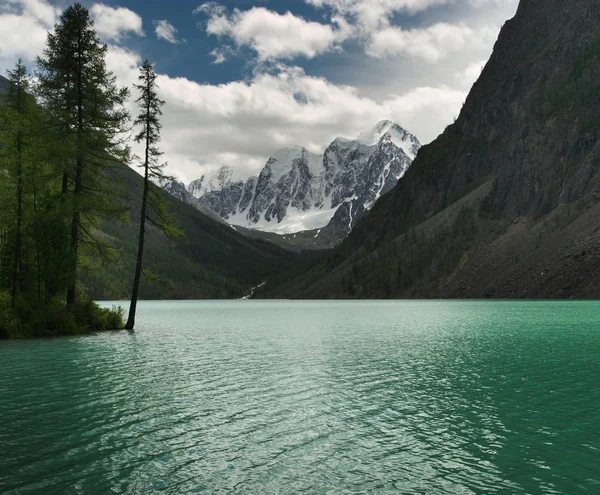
[(294, 221)]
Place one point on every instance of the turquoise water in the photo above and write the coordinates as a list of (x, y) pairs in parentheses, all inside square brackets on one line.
[(314, 397)]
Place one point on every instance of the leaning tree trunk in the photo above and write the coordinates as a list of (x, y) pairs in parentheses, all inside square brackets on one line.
[(140, 254)]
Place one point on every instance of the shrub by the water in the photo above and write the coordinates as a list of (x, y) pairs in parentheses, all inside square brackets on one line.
[(55, 318)]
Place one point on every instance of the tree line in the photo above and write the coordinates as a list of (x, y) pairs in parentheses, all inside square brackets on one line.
[(60, 133)]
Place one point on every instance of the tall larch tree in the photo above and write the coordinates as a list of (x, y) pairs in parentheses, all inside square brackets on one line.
[(154, 206), (33, 225), (17, 101), (89, 125)]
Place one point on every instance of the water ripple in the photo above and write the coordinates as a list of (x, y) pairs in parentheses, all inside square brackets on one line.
[(310, 397)]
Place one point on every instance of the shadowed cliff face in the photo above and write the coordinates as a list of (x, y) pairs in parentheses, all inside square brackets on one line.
[(525, 144), (522, 124)]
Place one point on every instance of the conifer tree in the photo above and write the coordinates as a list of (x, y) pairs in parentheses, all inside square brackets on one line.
[(88, 125), (17, 93), (154, 207), (17, 109)]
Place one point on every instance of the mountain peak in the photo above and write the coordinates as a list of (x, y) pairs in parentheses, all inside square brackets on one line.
[(281, 161), (384, 125), (372, 137), (399, 136), (209, 183)]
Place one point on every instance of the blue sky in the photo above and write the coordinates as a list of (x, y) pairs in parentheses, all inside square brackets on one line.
[(243, 78)]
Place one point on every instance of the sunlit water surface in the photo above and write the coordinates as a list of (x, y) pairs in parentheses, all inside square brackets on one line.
[(289, 397)]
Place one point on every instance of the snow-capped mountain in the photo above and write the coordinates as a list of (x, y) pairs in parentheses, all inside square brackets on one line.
[(298, 190)]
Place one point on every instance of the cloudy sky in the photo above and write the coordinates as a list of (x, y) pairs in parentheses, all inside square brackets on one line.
[(243, 78)]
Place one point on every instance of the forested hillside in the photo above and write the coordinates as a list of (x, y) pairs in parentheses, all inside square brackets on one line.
[(212, 260)]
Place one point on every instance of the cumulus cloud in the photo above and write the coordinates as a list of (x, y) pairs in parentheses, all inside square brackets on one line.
[(37, 17), (40, 10), (114, 23), (275, 36), (272, 35), (372, 25), (468, 76), (431, 43), (124, 64), (241, 122), (373, 14), (24, 25), (222, 53), (166, 31)]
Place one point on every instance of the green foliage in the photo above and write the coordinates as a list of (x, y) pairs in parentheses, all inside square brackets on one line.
[(417, 258), (53, 185), (154, 207), (55, 318), (65, 195), (88, 122)]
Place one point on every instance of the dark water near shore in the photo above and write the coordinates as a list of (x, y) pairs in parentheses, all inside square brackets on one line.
[(316, 397)]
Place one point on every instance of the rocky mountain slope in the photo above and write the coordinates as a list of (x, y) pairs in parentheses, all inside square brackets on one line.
[(505, 202), (298, 190)]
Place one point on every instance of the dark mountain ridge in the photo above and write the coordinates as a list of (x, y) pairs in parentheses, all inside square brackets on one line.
[(505, 199), (538, 154)]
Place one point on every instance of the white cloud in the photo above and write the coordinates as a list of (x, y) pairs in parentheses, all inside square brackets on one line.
[(124, 64), (467, 77), (222, 53), (242, 122), (39, 10), (431, 43), (24, 26), (166, 31), (37, 17), (373, 14), (273, 35), (371, 24), (115, 23)]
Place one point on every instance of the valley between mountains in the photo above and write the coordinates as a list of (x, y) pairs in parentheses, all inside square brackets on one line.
[(503, 204)]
